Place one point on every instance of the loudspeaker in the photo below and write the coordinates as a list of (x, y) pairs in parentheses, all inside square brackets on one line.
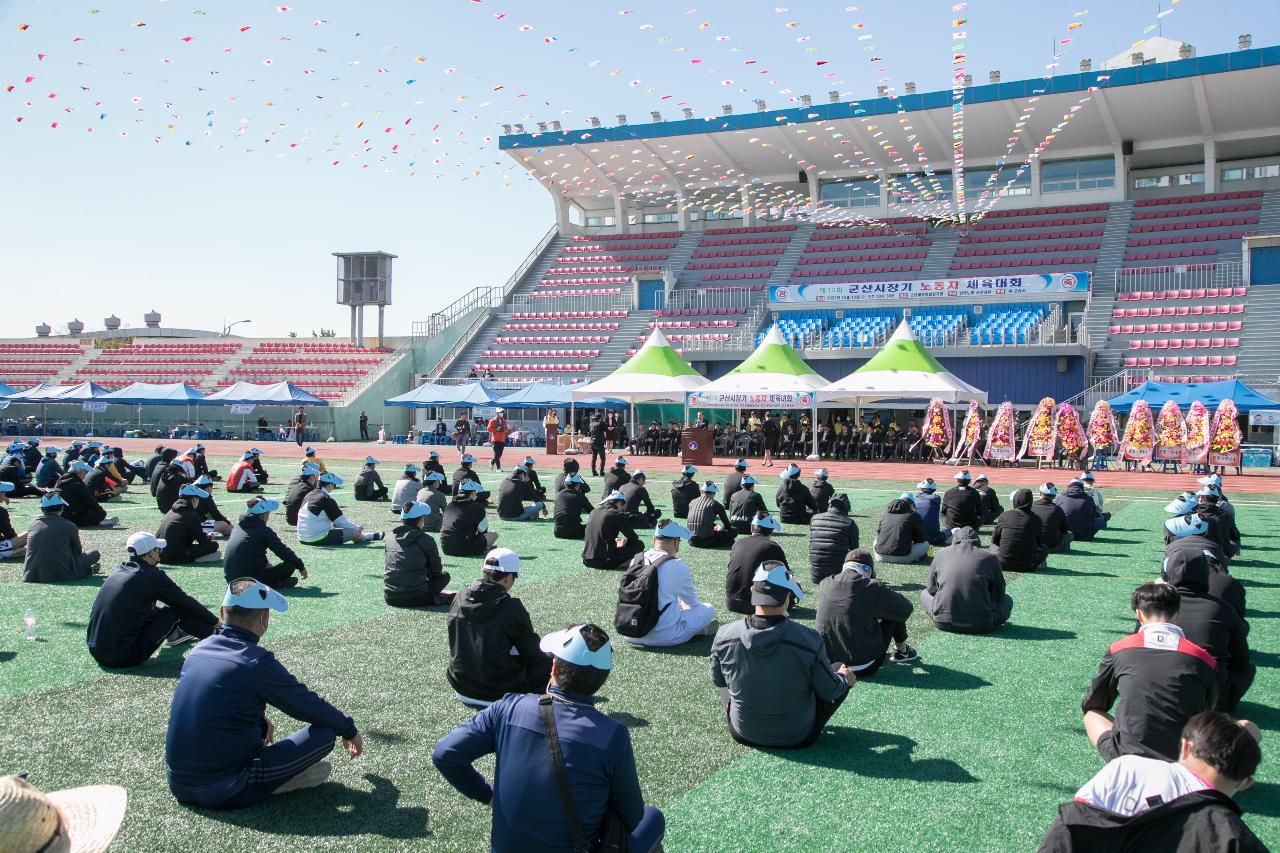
[(804, 176), (1126, 147), (1062, 364)]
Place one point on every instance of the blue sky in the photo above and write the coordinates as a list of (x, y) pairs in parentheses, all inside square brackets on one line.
[(192, 168)]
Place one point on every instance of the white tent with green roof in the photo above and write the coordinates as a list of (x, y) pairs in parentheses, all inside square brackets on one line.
[(902, 370), (655, 374)]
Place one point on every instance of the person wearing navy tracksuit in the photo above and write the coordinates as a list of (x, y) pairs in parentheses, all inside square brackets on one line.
[(527, 811), (220, 749)]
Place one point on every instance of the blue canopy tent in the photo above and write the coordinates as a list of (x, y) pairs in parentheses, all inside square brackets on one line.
[(253, 394), (1209, 393), (154, 394), (547, 395), (45, 393), (428, 395)]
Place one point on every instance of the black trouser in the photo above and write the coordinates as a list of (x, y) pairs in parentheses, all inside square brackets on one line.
[(277, 576), (24, 490), (1238, 682), (644, 518), (498, 447), (477, 546), (718, 539), (567, 532), (425, 598), (378, 494), (597, 450), (364, 432), (298, 435), (895, 631), (162, 623), (193, 552), (823, 711), (620, 559)]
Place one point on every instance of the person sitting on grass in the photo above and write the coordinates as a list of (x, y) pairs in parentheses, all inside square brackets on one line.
[(321, 522), (413, 575), (369, 485), (464, 530), (821, 490), (962, 504), (991, 507), (493, 649), (406, 488), (680, 615), (12, 543), (639, 507), (259, 472), (964, 592), (175, 475), (1222, 526), (1214, 481), (733, 482), (1055, 533), (1018, 536), (610, 541), (858, 616), (182, 530), (432, 463), (517, 499), (252, 538), (703, 515), (747, 555), (1141, 803), (777, 686), (1084, 519), (1187, 533), (795, 504), (571, 466), (214, 521), (901, 535), (309, 455), (929, 507), (303, 484), (526, 795), (432, 494), (125, 625), (167, 458), (101, 484), (13, 470), (220, 748), (530, 467), (82, 510), (53, 550), (1088, 480), (1211, 624), (832, 535), (745, 505), (1157, 679), (617, 477), (48, 471), (240, 478), (571, 503), (684, 491), (464, 473)]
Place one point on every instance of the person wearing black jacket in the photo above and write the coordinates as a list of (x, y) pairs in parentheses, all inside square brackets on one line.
[(182, 531), (465, 530), (31, 455), (703, 515), (209, 508), (166, 458), (858, 616), (733, 481), (1082, 514), (53, 550), (48, 471), (617, 476), (1157, 680), (832, 535), (432, 494), (639, 507), (684, 492), (155, 460), (745, 505), (748, 554), (965, 590), (1018, 537), (433, 464), (514, 493), (821, 491), (571, 466), (413, 575), (991, 507), (900, 535), (607, 524), (571, 503), (465, 472), (127, 469), (1137, 803), (1186, 533), (795, 503), (303, 484), (1211, 624), (1222, 525), (962, 504), (493, 649), (250, 541), (173, 477), (81, 508), (13, 470), (125, 625), (1055, 534), (259, 472), (599, 434), (369, 485)]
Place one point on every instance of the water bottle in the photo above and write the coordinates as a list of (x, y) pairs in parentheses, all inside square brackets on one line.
[(29, 624)]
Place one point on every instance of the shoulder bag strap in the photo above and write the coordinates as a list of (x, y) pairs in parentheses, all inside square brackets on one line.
[(562, 778)]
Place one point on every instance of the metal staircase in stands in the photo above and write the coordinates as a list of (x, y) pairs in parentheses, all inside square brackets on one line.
[(1102, 289)]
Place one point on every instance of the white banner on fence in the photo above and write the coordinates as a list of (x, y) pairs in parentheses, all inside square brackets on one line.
[(749, 400), (98, 406), (1264, 417), (241, 408), (1038, 284)]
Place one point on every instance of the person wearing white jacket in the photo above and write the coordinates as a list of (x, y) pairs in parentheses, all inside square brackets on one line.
[(681, 615), (321, 522)]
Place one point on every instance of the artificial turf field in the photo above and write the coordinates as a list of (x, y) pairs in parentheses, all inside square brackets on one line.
[(971, 748)]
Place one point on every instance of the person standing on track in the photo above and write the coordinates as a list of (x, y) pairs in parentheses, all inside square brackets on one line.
[(498, 429), (299, 426), (462, 432)]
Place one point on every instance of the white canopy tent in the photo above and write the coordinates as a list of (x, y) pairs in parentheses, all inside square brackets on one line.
[(902, 370)]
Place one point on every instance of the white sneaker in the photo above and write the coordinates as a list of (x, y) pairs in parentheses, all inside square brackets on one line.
[(314, 775), (177, 637), (110, 521)]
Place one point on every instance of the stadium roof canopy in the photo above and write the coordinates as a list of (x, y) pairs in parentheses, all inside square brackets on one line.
[(1166, 110)]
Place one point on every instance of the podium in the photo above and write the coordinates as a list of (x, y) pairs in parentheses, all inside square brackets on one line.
[(553, 444), (695, 446)]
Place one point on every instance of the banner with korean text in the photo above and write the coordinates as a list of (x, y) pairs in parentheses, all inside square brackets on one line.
[(836, 295), (749, 400)]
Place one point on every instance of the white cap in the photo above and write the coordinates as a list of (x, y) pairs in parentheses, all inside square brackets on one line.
[(503, 560), (144, 543)]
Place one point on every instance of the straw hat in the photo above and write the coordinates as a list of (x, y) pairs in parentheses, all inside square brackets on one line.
[(77, 820)]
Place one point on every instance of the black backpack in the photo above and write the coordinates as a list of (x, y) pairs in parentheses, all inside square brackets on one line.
[(638, 610)]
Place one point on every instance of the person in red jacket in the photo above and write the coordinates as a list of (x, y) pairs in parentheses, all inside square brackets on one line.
[(241, 478)]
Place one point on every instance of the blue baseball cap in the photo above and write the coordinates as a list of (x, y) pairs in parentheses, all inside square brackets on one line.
[(771, 583), (927, 485), (528, 461), (94, 444), (77, 443), (80, 465), (672, 530), (246, 456), (51, 451), (259, 596), (741, 464), (1048, 489), (331, 478), (262, 506), (369, 460), (621, 462), (433, 477), (50, 501), (468, 459), (470, 486), (748, 480), (709, 488), (309, 470), (689, 470), (204, 480), (574, 480), (792, 470), (961, 476), (411, 468), (255, 451), (1087, 476), (191, 490), (433, 455), (766, 523), (416, 509), (310, 451), (614, 496), (569, 646), (1186, 525), (821, 473), (905, 496), (6, 486)]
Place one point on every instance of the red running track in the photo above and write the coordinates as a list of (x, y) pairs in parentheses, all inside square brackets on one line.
[(1264, 481)]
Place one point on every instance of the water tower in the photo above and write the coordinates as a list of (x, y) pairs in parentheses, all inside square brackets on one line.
[(364, 278)]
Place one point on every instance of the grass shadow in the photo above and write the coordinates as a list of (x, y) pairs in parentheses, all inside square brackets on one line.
[(1265, 716), (1270, 660), (167, 664), (1258, 584), (7, 656), (307, 592), (698, 647), (1262, 798), (880, 755), (1073, 573), (333, 810), (1035, 632), (383, 737), (929, 677), (75, 624), (1250, 613), (631, 721)]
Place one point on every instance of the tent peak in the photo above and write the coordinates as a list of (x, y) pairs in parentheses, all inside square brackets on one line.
[(657, 338)]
